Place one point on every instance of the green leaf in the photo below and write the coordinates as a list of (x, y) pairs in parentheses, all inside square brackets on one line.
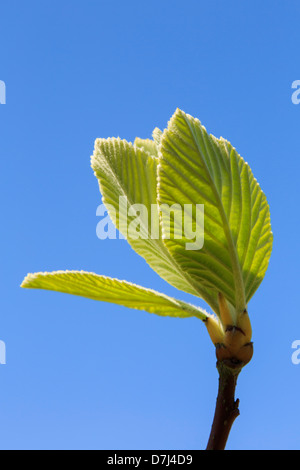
[(106, 289), (197, 168), (147, 145), (157, 135), (130, 172)]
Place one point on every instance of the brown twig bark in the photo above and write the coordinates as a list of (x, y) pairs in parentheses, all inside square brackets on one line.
[(226, 407)]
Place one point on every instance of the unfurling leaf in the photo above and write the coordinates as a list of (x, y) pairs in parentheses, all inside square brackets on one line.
[(107, 289), (183, 166), (196, 167)]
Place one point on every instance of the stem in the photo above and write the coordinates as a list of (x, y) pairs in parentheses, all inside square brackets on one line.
[(226, 407)]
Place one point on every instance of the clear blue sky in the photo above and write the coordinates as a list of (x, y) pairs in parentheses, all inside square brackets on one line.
[(88, 375)]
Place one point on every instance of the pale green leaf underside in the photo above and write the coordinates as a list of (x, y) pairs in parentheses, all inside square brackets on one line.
[(147, 145), (107, 289), (197, 168), (129, 171), (157, 135)]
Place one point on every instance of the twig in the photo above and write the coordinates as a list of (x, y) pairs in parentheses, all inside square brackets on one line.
[(226, 407)]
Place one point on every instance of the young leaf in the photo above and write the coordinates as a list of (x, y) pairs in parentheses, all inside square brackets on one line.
[(130, 172), (194, 168), (157, 135), (106, 289), (147, 145)]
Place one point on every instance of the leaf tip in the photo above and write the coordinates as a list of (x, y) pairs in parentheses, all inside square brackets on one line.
[(26, 283)]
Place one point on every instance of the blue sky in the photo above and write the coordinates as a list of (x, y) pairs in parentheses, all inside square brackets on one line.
[(88, 375)]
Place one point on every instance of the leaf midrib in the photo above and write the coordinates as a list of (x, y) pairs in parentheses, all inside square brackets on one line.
[(237, 274)]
